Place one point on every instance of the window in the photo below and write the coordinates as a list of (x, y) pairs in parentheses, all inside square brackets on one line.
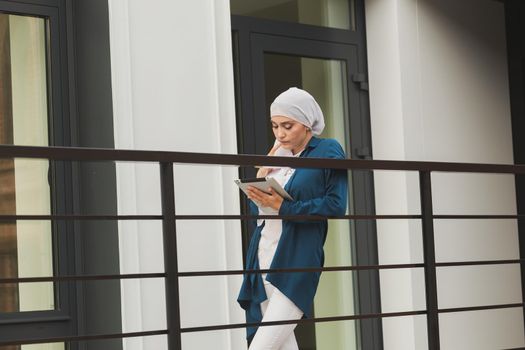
[(25, 247), (31, 106), (325, 13)]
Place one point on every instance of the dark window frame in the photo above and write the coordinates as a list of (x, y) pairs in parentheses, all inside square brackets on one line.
[(62, 320), (79, 100)]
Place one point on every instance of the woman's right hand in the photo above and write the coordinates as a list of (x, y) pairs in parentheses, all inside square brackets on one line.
[(263, 171)]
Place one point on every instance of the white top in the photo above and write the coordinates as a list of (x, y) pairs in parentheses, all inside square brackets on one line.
[(271, 232)]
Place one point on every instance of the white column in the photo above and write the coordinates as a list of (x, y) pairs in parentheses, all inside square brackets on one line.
[(173, 90), (439, 91)]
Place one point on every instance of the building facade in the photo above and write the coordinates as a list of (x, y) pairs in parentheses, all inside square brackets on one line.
[(424, 80)]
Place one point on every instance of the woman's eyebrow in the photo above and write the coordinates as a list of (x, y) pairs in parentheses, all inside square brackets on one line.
[(284, 123)]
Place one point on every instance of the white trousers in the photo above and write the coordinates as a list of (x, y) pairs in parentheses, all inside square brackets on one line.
[(276, 308)]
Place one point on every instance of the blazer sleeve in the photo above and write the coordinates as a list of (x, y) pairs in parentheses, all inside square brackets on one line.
[(253, 209), (333, 202)]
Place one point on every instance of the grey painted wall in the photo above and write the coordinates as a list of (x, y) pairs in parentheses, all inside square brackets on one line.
[(97, 240)]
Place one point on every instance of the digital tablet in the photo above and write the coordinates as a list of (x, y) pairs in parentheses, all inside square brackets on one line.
[(263, 183)]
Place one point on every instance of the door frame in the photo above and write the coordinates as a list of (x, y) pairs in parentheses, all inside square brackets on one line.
[(262, 44)]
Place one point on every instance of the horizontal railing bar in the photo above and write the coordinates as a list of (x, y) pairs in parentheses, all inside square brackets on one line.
[(480, 308), (304, 320), (79, 217), (497, 216), (81, 278), (241, 272), (294, 217), (203, 217), (347, 268), (306, 269), (83, 337), (346, 318), (249, 217), (252, 324), (199, 273), (476, 263), (104, 154)]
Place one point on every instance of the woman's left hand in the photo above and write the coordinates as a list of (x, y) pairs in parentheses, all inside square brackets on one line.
[(263, 199)]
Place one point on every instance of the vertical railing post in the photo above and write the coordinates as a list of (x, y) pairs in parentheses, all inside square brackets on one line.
[(169, 234), (429, 253)]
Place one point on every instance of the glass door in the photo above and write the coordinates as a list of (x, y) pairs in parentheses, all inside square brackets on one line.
[(320, 48), (325, 70)]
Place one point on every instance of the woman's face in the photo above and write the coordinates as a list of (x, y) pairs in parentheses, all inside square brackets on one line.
[(291, 134)]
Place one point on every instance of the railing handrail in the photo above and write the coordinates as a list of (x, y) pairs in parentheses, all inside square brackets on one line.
[(167, 159), (108, 154)]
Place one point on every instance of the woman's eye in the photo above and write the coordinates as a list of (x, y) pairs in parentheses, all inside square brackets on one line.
[(287, 127)]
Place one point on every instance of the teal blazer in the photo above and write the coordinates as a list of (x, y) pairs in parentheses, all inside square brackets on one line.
[(315, 192)]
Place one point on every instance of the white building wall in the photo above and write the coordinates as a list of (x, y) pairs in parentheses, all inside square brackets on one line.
[(439, 92), (172, 79)]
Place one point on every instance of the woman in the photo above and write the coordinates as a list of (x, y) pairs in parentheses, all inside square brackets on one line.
[(296, 121)]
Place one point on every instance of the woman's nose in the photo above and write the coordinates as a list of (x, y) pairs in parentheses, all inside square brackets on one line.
[(280, 133)]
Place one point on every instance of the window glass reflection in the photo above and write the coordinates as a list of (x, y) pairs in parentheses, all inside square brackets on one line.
[(324, 13), (25, 246)]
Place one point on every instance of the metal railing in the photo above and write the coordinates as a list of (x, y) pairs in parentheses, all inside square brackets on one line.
[(174, 330)]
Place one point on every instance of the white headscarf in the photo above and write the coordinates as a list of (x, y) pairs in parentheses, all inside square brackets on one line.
[(300, 106)]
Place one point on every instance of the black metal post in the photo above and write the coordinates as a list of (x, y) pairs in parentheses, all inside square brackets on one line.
[(171, 269), (425, 188)]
